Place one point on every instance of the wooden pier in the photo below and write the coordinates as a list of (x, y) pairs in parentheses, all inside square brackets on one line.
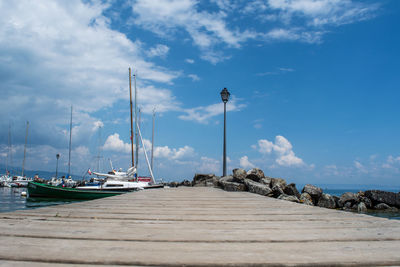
[(195, 227)]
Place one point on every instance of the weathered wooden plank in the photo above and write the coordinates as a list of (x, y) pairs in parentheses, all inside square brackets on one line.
[(186, 253), (196, 226)]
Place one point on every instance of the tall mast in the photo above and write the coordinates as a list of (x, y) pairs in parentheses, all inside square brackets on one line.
[(26, 140), (130, 95), (138, 143), (145, 155), (136, 125), (70, 142), (9, 149), (99, 150), (152, 140), (10, 145)]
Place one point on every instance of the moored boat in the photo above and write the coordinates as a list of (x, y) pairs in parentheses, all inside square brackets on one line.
[(48, 191), (20, 181)]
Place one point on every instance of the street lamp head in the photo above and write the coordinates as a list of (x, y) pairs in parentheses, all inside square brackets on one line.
[(225, 95)]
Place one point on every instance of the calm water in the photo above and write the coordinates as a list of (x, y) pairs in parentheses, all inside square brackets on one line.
[(11, 199), (389, 215)]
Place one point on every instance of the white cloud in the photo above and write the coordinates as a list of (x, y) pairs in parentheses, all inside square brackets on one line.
[(165, 17), (189, 60), (265, 146), (162, 100), (203, 114), (209, 165), (294, 34), (158, 51), (205, 28), (173, 153), (114, 143), (283, 150), (257, 125), (294, 20), (69, 55), (289, 159), (393, 160), (321, 12), (245, 163), (194, 77)]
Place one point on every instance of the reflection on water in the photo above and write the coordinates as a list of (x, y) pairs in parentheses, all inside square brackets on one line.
[(11, 200)]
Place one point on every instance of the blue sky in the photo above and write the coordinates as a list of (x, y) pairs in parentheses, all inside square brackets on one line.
[(314, 85)]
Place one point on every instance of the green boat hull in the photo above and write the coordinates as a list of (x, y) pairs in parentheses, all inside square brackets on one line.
[(48, 191)]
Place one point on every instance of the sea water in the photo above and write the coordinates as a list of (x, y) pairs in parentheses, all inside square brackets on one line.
[(384, 214), (11, 200)]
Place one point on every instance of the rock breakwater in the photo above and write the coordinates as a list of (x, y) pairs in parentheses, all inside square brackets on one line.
[(255, 181)]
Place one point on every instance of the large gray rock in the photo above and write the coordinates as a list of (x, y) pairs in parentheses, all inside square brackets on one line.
[(215, 181), (266, 181), (338, 205), (255, 174), (185, 183), (289, 198), (313, 191), (362, 208), (378, 196), (227, 184), (366, 201), (327, 201), (350, 206), (239, 175), (277, 190), (291, 190), (382, 206), (348, 197), (223, 180), (201, 179), (305, 198), (278, 181), (257, 188), (233, 186)]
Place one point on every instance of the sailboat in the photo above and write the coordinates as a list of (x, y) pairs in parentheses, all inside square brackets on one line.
[(5, 179), (22, 180), (126, 180), (68, 181)]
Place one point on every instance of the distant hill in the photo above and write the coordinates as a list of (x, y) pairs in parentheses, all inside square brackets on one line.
[(42, 174)]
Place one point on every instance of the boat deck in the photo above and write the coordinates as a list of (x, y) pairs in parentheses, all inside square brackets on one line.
[(196, 226)]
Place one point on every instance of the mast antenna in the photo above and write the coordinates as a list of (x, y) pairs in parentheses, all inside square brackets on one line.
[(136, 126), (26, 140), (152, 140), (130, 95), (70, 143)]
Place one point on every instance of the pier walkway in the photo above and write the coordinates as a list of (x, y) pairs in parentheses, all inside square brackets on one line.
[(195, 226)]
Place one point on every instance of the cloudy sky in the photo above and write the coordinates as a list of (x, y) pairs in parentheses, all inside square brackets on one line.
[(314, 85)]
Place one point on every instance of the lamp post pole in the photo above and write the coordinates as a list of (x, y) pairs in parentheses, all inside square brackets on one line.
[(57, 157), (225, 97)]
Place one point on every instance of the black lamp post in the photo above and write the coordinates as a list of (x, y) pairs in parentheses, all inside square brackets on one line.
[(57, 157), (225, 97)]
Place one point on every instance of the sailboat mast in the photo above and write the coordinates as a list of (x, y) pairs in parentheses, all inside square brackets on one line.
[(9, 149), (99, 150), (70, 142), (130, 95), (152, 140), (26, 140), (10, 145), (136, 126), (145, 155)]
